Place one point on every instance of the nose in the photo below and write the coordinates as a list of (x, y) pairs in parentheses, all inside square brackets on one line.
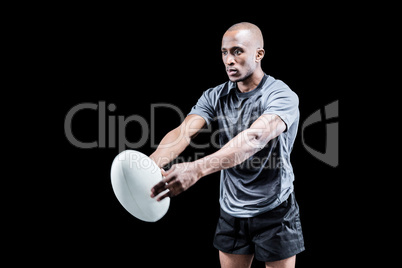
[(230, 60)]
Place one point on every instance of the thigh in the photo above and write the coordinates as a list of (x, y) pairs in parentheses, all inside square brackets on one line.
[(228, 260), (232, 235), (286, 263), (277, 234)]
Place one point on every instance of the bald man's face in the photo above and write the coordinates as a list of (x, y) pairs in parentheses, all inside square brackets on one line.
[(240, 54)]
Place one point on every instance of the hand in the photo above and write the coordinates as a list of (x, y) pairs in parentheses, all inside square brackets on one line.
[(177, 179)]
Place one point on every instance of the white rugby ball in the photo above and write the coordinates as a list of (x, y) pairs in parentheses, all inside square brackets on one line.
[(133, 175)]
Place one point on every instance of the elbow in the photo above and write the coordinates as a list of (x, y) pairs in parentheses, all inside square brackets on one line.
[(259, 143), (255, 141)]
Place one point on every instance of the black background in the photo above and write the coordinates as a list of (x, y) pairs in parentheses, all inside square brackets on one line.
[(138, 57)]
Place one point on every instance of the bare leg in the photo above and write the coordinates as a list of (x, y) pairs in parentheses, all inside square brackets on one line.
[(286, 263), (234, 260)]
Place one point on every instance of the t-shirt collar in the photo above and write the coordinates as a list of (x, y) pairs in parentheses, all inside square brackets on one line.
[(233, 86)]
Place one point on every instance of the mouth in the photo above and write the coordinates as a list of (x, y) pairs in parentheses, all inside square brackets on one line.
[(231, 71)]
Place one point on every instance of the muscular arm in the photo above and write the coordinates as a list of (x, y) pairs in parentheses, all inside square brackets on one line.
[(177, 140), (244, 145), (182, 176)]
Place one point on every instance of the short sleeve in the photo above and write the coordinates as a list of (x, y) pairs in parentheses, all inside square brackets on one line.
[(205, 106), (284, 103)]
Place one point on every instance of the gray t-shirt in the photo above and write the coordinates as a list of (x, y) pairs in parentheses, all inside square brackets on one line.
[(265, 180)]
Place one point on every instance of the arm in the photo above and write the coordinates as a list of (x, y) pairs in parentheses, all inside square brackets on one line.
[(177, 140), (244, 145), (182, 176)]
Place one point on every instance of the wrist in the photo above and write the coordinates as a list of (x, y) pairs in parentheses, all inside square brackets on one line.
[(199, 169)]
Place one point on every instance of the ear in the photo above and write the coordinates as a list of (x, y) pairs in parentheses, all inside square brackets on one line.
[(260, 54)]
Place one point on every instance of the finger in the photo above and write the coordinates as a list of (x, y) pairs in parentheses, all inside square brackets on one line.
[(158, 188), (162, 185), (167, 194), (165, 173), (174, 189)]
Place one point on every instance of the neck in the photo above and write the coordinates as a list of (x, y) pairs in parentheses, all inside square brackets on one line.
[(251, 82)]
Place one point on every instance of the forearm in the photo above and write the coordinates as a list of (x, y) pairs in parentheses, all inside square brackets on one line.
[(233, 153), (182, 176), (177, 140), (243, 146), (170, 147)]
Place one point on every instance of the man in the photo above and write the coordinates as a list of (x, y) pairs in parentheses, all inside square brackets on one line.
[(258, 118)]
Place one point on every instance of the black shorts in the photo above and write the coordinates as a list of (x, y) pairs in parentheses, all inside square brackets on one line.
[(271, 236)]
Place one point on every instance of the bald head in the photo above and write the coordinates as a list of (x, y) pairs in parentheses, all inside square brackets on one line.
[(242, 52), (251, 32)]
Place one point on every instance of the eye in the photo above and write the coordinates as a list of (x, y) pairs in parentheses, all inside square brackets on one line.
[(237, 52), (224, 52)]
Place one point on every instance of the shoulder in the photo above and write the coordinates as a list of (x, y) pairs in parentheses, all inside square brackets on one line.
[(215, 93), (276, 88), (220, 89)]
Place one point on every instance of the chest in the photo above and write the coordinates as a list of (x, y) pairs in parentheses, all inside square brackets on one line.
[(236, 114)]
